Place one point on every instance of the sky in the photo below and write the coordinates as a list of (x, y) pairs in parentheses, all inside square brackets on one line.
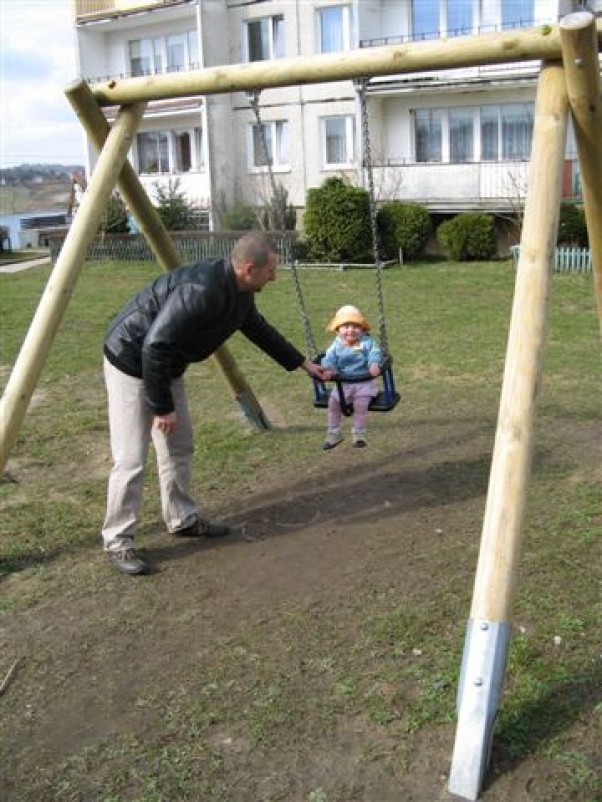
[(37, 61)]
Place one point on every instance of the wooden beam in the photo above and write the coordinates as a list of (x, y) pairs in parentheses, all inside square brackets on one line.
[(60, 286), (526, 44), (582, 69), (488, 633)]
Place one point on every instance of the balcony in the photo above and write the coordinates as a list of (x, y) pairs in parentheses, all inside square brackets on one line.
[(86, 9)]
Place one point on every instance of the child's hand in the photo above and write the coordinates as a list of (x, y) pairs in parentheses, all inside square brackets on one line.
[(329, 374), (374, 369)]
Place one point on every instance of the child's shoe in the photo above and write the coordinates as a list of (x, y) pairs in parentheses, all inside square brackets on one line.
[(333, 438), (359, 438)]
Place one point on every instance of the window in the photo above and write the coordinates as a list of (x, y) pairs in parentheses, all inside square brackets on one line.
[(428, 135), (334, 29), (277, 142), (517, 131), (425, 19), (265, 38), (506, 132), (338, 141), (153, 152), (459, 17), (517, 13), (461, 135), (170, 151), (163, 54), (465, 134)]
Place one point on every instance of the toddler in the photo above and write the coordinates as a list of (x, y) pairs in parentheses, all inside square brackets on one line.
[(352, 353)]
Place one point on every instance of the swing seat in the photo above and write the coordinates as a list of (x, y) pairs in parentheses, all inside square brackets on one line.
[(386, 400)]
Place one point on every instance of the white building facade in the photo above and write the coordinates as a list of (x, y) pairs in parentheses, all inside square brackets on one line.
[(453, 140)]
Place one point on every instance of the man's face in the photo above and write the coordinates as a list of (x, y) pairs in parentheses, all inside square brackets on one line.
[(258, 277)]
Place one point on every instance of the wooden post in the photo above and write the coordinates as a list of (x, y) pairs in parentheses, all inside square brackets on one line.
[(56, 296), (157, 236), (581, 65), (488, 632)]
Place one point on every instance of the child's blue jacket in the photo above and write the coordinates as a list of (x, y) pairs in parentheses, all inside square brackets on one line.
[(352, 361)]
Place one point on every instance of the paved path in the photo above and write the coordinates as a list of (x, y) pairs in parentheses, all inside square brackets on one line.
[(16, 267)]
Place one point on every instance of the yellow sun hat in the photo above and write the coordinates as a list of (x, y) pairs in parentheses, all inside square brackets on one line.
[(348, 314)]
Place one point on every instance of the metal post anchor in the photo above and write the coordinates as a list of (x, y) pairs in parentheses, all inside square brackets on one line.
[(479, 693)]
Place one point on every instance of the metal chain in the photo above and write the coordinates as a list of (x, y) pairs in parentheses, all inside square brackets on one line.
[(254, 101), (367, 167), (309, 337)]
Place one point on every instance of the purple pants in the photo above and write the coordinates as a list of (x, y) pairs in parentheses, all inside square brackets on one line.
[(359, 395)]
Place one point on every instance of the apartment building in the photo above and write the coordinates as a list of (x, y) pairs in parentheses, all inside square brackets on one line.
[(454, 140)]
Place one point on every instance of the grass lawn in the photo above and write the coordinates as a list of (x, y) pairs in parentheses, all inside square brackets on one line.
[(314, 657)]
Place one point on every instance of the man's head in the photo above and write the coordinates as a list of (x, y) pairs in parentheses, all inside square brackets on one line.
[(255, 259)]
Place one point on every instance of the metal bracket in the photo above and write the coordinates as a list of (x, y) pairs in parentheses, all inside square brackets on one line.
[(479, 693)]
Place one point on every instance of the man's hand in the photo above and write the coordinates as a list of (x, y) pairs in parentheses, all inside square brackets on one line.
[(317, 371), (166, 423)]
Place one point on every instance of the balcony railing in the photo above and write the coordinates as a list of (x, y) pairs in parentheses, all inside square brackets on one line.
[(98, 8)]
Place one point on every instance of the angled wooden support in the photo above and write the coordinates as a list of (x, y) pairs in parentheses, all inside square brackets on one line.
[(580, 58), (93, 120), (58, 291), (488, 633)]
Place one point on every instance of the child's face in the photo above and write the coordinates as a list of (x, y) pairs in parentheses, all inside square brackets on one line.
[(350, 333)]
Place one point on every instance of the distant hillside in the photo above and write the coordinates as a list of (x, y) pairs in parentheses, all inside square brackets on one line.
[(30, 188)]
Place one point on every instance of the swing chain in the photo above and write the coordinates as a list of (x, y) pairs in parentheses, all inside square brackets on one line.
[(361, 85), (309, 337)]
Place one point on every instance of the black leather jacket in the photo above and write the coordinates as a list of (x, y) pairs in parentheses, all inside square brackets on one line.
[(183, 317)]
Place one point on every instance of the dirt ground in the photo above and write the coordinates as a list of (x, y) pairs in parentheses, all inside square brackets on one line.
[(399, 514)]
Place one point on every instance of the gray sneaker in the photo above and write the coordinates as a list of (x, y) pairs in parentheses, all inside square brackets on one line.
[(359, 439), (332, 439), (127, 561)]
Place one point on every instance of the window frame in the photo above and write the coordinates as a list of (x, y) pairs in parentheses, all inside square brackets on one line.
[(345, 28), (278, 142), (173, 152), (349, 142), (276, 38)]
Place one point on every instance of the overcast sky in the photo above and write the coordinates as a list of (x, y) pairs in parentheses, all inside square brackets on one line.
[(37, 62)]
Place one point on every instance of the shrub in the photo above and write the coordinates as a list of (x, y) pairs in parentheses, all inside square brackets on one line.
[(468, 237), (572, 228), (337, 222), (279, 214), (176, 211), (115, 219), (403, 225), (239, 217)]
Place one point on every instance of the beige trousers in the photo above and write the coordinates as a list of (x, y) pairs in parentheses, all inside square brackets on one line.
[(131, 431)]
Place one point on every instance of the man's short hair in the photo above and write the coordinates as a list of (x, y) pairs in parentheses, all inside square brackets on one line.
[(256, 247)]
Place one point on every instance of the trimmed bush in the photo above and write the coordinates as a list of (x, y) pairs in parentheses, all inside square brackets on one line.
[(572, 228), (337, 223), (239, 217), (468, 237), (403, 225)]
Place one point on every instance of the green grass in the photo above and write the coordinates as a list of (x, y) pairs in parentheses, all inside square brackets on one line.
[(291, 680)]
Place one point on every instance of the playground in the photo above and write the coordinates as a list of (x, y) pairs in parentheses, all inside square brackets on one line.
[(314, 655)]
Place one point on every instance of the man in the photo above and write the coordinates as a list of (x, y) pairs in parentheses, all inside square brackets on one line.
[(179, 318)]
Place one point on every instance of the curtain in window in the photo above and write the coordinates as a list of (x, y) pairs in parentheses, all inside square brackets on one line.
[(490, 133), (517, 131), (459, 17), (517, 13), (461, 135), (259, 156), (278, 37), (183, 152), (425, 19), (336, 141), (176, 53), (428, 135), (331, 30), (141, 57)]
